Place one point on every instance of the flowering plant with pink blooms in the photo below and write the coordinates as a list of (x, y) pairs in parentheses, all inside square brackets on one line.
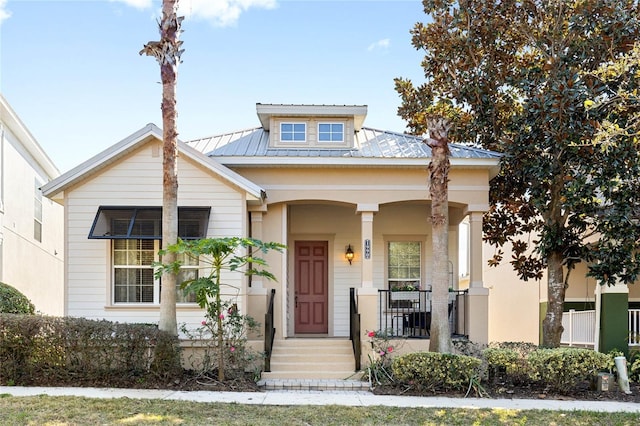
[(379, 371)]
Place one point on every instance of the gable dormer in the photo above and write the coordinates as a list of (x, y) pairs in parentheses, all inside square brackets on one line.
[(311, 126)]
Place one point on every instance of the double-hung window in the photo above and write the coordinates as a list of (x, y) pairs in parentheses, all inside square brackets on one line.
[(136, 233), (403, 267), (293, 132)]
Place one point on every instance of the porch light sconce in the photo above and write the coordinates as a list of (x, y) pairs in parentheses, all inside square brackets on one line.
[(349, 254)]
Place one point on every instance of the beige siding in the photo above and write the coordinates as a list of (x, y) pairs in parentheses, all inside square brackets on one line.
[(137, 181)]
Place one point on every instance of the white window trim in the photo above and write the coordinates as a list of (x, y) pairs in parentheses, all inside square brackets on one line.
[(420, 280), (37, 198), (156, 281), (293, 123), (340, 142)]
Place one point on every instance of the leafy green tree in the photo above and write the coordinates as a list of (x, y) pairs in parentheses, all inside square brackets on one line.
[(218, 255), (526, 78)]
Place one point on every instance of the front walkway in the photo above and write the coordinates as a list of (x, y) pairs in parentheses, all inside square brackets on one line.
[(345, 398)]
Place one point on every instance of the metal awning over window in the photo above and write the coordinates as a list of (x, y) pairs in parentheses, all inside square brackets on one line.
[(145, 223)]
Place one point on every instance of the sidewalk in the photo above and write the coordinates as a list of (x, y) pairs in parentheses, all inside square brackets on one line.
[(347, 398)]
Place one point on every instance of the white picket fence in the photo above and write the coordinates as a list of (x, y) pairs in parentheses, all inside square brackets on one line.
[(580, 328)]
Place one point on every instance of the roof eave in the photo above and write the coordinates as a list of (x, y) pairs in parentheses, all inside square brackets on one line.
[(13, 122), (489, 163), (101, 160)]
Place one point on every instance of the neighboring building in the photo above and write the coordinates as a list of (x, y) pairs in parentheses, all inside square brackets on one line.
[(31, 226), (311, 177), (595, 316)]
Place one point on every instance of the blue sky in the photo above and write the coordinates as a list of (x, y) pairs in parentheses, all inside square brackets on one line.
[(72, 72)]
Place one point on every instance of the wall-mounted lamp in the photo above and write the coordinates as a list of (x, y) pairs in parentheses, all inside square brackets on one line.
[(349, 254)]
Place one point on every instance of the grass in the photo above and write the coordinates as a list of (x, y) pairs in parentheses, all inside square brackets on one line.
[(59, 411)]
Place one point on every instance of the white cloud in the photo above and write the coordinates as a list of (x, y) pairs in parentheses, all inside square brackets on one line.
[(4, 13), (380, 44), (138, 4), (221, 13)]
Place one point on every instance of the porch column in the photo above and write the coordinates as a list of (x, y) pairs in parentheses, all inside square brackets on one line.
[(367, 293), (477, 314), (613, 314), (366, 247), (256, 292)]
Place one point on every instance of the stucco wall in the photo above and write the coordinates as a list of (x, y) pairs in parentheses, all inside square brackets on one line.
[(34, 267), (513, 304)]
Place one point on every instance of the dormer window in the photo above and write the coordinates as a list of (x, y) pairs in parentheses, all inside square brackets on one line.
[(293, 132), (330, 132)]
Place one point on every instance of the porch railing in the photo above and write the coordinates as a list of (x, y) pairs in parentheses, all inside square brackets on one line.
[(354, 327), (408, 314), (580, 328), (269, 332), (634, 327)]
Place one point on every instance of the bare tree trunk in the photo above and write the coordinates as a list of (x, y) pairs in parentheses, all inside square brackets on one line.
[(167, 52), (440, 339), (552, 324)]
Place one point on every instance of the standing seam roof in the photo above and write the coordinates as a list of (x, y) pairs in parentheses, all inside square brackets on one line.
[(369, 143)]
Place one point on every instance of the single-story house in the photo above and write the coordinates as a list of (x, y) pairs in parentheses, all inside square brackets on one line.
[(351, 203)]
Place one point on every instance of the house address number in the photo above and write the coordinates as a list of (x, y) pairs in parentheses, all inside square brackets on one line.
[(367, 249)]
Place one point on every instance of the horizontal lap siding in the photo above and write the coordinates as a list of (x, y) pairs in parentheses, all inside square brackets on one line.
[(137, 181)]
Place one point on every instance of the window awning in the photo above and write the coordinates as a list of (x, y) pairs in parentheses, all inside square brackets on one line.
[(145, 223)]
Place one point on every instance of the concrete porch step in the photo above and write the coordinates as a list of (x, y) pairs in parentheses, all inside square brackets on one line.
[(312, 358), (313, 384)]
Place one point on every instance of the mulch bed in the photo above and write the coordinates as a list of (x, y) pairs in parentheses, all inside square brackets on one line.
[(191, 382), (529, 391)]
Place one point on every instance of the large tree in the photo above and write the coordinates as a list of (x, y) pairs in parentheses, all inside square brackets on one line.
[(526, 80), (167, 52)]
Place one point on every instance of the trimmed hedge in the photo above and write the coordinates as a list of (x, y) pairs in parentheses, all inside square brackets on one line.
[(73, 350), (13, 301), (562, 369), (434, 371)]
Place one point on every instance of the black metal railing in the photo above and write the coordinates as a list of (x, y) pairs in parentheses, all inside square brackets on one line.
[(408, 314), (269, 332), (354, 327)]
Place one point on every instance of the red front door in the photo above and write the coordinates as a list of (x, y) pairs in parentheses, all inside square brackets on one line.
[(311, 287)]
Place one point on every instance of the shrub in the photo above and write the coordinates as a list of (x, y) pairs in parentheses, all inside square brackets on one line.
[(509, 359), (562, 369), (634, 370), (14, 302), (434, 371), (76, 350)]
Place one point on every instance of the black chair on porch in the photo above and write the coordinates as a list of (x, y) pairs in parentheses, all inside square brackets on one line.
[(418, 324)]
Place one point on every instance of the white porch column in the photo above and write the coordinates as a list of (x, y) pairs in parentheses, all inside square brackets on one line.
[(477, 315)]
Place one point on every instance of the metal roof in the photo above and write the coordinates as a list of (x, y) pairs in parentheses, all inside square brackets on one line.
[(369, 143)]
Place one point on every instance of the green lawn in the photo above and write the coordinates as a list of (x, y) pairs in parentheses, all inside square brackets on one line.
[(58, 411)]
